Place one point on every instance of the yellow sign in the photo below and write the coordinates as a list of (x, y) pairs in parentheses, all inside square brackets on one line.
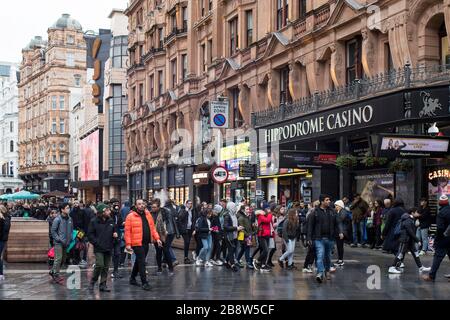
[(238, 151)]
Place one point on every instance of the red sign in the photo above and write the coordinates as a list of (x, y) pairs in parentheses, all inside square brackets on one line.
[(219, 175)]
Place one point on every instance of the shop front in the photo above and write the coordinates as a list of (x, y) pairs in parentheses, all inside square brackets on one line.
[(179, 185), (363, 130), (154, 182), (136, 185)]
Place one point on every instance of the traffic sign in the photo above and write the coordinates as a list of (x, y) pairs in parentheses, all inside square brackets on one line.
[(219, 175), (219, 114)]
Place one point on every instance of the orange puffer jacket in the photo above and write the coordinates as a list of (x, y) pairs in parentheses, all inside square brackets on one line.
[(133, 229)]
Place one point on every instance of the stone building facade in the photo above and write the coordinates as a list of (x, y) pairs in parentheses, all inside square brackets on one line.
[(9, 119), (52, 74), (261, 56)]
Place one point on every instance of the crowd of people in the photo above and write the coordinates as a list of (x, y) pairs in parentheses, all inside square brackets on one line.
[(232, 235)]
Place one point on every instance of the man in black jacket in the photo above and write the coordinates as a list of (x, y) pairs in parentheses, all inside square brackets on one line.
[(442, 241), (102, 233), (424, 217), (186, 225), (323, 226), (119, 226), (408, 241)]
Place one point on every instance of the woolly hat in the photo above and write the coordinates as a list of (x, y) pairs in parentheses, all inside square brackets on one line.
[(101, 208), (443, 200), (340, 203)]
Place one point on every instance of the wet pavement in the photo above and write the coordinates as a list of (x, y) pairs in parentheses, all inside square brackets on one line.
[(353, 281)]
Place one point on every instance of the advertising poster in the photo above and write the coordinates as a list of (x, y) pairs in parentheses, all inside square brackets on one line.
[(395, 146), (89, 157), (376, 186)]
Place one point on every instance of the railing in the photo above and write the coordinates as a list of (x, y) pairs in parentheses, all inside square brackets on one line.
[(322, 15), (174, 33), (299, 28), (401, 78)]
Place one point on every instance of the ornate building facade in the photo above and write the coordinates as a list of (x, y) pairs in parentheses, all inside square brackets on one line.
[(52, 74), (272, 60)]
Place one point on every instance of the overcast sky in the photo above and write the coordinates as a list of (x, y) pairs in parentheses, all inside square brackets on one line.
[(21, 20)]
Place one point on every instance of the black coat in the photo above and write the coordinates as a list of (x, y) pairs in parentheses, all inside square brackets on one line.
[(183, 216), (408, 230), (100, 234), (393, 216), (5, 226), (169, 219), (425, 218), (442, 222), (203, 229), (228, 227), (80, 219), (317, 219)]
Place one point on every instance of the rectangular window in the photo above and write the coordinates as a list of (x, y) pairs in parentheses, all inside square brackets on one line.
[(210, 5), (185, 18), (53, 102), (11, 126), (203, 58), (353, 62), (282, 13), (233, 25), (302, 9), (70, 40), (285, 95), (141, 95), (202, 7), (184, 63), (210, 44), (160, 83), (62, 159), (388, 60), (133, 97), (77, 81), (61, 127), (54, 158), (61, 103), (249, 19), (152, 87), (238, 119), (173, 20), (161, 37), (54, 126), (173, 67), (70, 59)]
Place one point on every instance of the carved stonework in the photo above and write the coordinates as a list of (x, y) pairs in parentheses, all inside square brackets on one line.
[(368, 52)]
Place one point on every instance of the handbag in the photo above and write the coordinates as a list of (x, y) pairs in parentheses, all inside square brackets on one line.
[(241, 235), (271, 243)]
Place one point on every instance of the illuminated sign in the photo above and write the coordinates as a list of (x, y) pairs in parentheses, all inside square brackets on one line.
[(237, 151), (445, 173), (413, 146)]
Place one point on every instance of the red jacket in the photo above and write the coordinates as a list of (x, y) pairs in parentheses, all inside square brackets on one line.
[(133, 229), (264, 222)]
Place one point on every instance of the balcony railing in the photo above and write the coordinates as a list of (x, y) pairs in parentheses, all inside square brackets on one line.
[(402, 78), (174, 33)]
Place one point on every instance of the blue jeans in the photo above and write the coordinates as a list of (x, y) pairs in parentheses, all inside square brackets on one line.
[(2, 247), (422, 234), (362, 229), (205, 252), (290, 247), (323, 255), (244, 249)]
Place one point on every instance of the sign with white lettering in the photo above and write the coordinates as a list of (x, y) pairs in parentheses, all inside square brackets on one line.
[(393, 146), (219, 114)]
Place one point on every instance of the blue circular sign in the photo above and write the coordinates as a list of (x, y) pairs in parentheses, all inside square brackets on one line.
[(219, 120)]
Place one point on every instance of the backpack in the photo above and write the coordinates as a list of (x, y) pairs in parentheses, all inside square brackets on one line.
[(280, 228), (398, 228)]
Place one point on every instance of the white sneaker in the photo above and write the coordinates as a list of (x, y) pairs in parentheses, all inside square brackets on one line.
[(219, 263), (424, 269), (402, 265), (394, 270), (422, 253), (2, 278), (208, 264), (199, 263), (332, 269), (194, 256), (307, 270)]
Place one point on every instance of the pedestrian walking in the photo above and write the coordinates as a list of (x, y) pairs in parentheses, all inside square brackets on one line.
[(204, 233), (62, 229), (119, 227), (216, 236), (5, 225), (245, 236), (442, 241), (424, 217), (359, 209), (323, 226), (264, 234), (407, 242), (140, 231), (289, 234), (186, 225), (102, 233), (393, 217)]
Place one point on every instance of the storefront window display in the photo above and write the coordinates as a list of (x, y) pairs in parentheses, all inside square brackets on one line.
[(375, 186)]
